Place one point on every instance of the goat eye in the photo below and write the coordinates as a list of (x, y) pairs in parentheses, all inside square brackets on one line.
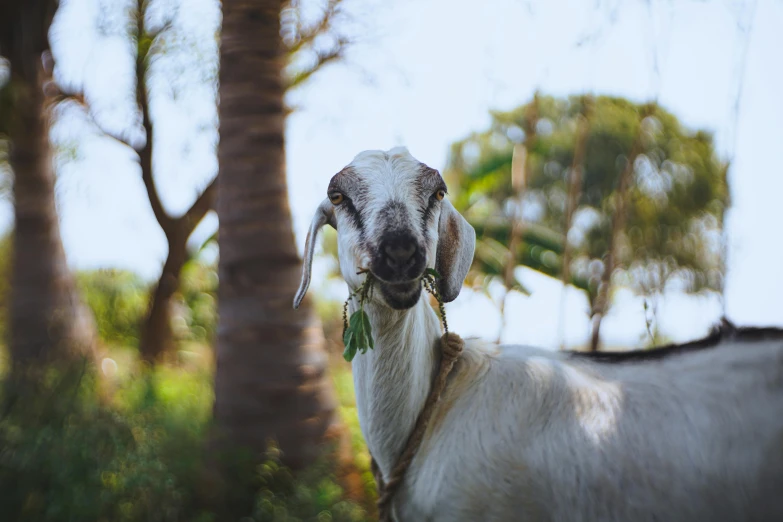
[(439, 195), (336, 198)]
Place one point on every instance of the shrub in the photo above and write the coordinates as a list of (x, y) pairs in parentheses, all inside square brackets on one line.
[(118, 300), (65, 454)]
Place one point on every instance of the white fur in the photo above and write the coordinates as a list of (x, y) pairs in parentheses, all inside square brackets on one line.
[(528, 435)]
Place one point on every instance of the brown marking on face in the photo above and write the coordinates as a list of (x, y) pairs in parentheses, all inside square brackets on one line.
[(430, 179), (453, 226), (427, 170), (447, 246), (348, 183), (344, 180)]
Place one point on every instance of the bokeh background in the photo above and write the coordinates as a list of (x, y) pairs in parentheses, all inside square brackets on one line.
[(619, 160)]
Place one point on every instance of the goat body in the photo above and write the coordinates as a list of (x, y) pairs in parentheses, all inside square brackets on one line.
[(522, 434), (526, 434)]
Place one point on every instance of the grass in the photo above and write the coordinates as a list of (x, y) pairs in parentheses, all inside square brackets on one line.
[(120, 443), (70, 452), (343, 383)]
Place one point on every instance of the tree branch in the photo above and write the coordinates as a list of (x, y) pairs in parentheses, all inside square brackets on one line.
[(79, 99), (145, 162), (322, 59), (145, 157), (206, 199), (575, 182), (145, 154), (574, 194), (306, 37), (203, 204)]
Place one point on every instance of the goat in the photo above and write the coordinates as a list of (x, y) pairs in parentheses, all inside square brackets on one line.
[(522, 434)]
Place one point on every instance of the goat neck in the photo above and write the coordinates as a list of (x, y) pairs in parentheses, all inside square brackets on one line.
[(392, 381)]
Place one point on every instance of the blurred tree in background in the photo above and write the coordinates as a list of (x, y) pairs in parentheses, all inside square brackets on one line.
[(270, 379), (47, 317), (137, 452), (650, 199), (308, 45)]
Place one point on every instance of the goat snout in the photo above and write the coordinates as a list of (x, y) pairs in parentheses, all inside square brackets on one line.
[(399, 252), (399, 258)]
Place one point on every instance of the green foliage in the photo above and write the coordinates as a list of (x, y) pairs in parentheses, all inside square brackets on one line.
[(676, 199), (118, 300), (310, 496), (358, 335), (198, 301), (357, 332), (143, 43), (349, 413), (68, 457), (5, 168), (331, 316), (67, 454)]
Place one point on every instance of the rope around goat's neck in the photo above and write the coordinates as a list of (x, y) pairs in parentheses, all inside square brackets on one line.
[(451, 346)]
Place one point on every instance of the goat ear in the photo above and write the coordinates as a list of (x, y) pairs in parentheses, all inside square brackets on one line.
[(323, 215), (456, 243)]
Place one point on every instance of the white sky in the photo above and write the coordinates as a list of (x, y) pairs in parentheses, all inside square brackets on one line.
[(424, 74)]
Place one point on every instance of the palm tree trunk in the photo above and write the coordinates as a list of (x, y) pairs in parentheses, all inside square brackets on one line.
[(270, 380), (47, 319)]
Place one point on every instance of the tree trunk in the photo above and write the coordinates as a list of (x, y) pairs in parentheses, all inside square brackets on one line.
[(48, 320), (270, 380), (157, 336), (618, 225), (574, 194), (520, 167)]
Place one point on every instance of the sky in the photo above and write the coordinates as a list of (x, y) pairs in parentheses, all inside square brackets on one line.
[(423, 74)]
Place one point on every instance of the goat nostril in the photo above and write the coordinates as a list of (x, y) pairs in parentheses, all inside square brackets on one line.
[(399, 253)]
